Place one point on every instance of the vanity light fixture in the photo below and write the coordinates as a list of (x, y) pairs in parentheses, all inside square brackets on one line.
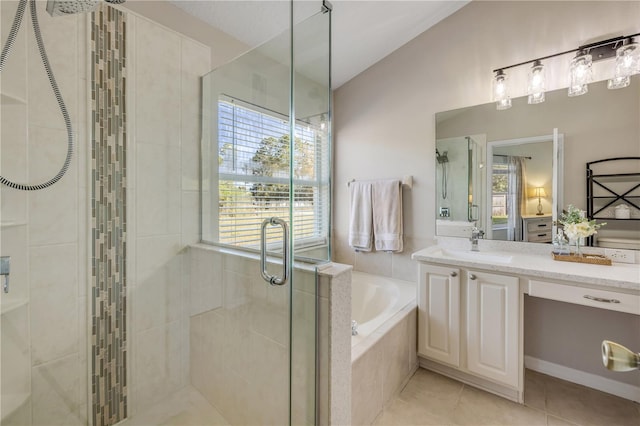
[(535, 89), (625, 50), (501, 90)]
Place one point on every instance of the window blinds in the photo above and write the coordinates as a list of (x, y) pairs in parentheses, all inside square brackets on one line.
[(254, 176)]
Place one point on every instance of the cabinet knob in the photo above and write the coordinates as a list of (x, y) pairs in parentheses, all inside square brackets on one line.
[(454, 274), (472, 277)]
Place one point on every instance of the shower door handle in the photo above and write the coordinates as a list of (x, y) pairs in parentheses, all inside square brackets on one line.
[(274, 279)]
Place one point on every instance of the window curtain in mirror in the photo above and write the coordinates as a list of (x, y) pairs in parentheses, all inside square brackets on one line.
[(516, 197)]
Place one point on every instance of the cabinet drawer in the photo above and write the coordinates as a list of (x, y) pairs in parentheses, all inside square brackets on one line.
[(535, 225), (541, 236), (604, 299)]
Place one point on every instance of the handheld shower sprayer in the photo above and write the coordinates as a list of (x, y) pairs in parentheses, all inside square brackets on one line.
[(443, 160), (55, 8)]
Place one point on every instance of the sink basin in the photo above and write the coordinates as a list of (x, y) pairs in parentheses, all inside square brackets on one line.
[(477, 256)]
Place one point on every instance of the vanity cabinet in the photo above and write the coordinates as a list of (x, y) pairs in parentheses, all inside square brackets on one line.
[(470, 321), (439, 314), (493, 312)]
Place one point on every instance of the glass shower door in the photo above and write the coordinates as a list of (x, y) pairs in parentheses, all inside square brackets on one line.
[(265, 170)]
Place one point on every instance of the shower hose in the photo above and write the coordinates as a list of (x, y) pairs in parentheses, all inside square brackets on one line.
[(15, 27)]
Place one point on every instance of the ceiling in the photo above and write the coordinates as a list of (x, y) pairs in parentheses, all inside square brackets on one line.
[(363, 32)]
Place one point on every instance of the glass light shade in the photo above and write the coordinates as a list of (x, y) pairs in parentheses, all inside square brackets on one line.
[(580, 74), (536, 86), (501, 91), (618, 82), (627, 64), (628, 60)]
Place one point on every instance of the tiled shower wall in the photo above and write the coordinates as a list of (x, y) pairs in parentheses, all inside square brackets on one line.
[(163, 101), (47, 233)]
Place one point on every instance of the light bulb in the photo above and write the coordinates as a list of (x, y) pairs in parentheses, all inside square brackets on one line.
[(501, 91), (536, 85), (580, 74)]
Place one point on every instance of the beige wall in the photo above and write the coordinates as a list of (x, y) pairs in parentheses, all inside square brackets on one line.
[(385, 117)]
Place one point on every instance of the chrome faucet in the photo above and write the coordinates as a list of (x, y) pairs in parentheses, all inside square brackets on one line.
[(476, 234)]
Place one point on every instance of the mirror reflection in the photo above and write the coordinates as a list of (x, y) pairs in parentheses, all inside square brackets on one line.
[(520, 186), (504, 172)]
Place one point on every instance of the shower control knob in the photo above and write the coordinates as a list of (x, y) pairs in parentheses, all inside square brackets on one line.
[(454, 274)]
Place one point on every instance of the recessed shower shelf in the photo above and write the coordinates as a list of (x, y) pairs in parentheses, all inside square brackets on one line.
[(6, 99), (10, 224), (11, 305)]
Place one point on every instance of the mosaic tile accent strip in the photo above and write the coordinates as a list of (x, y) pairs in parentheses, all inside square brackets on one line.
[(108, 212)]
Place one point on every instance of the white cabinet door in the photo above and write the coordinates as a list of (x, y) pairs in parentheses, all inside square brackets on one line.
[(493, 326), (439, 314)]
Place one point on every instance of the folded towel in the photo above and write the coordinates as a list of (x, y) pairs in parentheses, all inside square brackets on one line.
[(361, 216), (387, 215)]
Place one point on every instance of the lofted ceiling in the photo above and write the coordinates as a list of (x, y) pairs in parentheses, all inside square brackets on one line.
[(363, 32)]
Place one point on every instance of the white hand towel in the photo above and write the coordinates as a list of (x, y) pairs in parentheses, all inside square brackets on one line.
[(387, 215), (361, 216)]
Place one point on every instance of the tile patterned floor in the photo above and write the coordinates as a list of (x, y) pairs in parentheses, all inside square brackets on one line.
[(432, 399), (187, 407)]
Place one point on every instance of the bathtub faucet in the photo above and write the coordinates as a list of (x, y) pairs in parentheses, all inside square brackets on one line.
[(476, 234), (354, 328)]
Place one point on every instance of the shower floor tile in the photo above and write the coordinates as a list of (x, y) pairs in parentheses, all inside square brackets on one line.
[(187, 407), (548, 401)]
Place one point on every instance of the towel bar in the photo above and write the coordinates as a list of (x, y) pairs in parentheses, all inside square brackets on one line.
[(406, 181)]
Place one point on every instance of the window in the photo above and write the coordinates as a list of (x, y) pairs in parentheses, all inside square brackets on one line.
[(499, 196), (254, 181)]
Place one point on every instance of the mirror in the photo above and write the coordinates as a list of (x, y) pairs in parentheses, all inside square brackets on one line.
[(545, 173)]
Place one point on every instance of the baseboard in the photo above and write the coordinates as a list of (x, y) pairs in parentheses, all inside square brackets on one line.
[(590, 380)]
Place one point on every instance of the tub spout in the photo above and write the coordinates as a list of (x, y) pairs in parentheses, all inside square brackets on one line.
[(354, 328)]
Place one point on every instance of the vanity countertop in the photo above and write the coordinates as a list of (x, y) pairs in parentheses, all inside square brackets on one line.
[(622, 276)]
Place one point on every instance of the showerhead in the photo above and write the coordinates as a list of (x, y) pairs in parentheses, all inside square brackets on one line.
[(442, 158), (69, 7)]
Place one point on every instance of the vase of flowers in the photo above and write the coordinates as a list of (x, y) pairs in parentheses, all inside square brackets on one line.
[(577, 227)]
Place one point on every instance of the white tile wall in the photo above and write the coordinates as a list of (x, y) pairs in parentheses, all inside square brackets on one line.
[(45, 250), (206, 281), (158, 57), (239, 347), (157, 366), (57, 392), (158, 184), (164, 92)]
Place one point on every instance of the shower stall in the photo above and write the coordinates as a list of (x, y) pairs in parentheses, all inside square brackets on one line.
[(459, 178), (170, 274)]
